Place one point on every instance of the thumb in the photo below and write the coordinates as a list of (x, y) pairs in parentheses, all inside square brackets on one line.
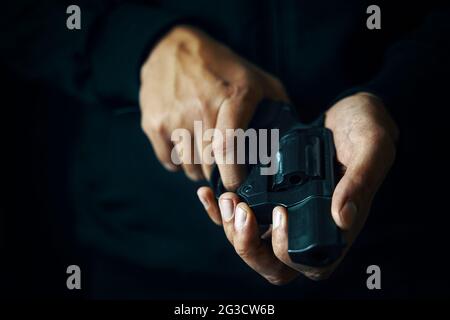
[(235, 112), (348, 198), (354, 193)]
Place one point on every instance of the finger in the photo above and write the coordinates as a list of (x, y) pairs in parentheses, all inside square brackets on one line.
[(227, 204), (280, 247), (162, 147), (207, 198), (280, 235), (209, 101), (185, 153), (354, 192), (255, 252), (236, 112), (203, 136)]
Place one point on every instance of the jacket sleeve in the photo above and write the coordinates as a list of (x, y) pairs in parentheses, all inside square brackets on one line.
[(99, 62), (413, 67)]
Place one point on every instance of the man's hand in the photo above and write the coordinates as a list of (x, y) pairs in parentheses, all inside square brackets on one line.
[(190, 77), (364, 135)]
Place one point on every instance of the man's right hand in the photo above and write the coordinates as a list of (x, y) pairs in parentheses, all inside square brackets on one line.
[(189, 77)]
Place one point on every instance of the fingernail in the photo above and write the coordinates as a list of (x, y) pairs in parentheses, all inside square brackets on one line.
[(204, 202), (241, 217), (276, 219), (348, 213), (226, 209)]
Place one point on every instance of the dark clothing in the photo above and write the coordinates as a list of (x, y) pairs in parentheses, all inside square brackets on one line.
[(320, 50)]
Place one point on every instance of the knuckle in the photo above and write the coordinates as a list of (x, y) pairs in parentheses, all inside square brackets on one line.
[(194, 178), (165, 158), (145, 126), (278, 280), (155, 127), (231, 185), (317, 275), (243, 251), (158, 128), (192, 174)]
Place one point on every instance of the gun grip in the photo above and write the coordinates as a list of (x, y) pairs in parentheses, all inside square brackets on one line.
[(313, 237)]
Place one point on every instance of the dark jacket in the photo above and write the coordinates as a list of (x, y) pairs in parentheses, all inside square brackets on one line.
[(319, 49)]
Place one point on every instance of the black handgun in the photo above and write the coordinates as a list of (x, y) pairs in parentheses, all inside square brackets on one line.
[(304, 182)]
